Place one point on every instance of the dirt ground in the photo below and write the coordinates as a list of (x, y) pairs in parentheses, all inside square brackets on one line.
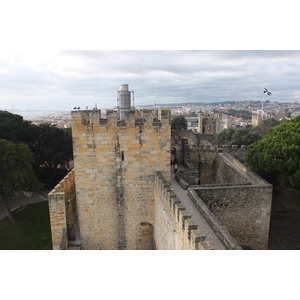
[(19, 201), (285, 220)]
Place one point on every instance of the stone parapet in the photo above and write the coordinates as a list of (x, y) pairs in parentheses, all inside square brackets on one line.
[(240, 200), (57, 200), (93, 119), (174, 226), (224, 236)]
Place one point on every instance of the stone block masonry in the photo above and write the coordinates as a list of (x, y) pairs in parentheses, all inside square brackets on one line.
[(115, 164), (57, 208), (242, 203), (174, 227), (239, 198)]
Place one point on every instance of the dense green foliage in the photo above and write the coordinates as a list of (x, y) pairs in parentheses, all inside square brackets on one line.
[(31, 232), (179, 123), (52, 149), (51, 146), (266, 125), (245, 136), (276, 157), (16, 172), (239, 136), (10, 126)]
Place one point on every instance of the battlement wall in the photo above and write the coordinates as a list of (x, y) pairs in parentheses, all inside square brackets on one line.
[(191, 173), (174, 227), (246, 171), (198, 143), (225, 237), (94, 119), (57, 199), (241, 202)]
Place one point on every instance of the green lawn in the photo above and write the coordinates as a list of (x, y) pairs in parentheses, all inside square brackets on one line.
[(30, 232)]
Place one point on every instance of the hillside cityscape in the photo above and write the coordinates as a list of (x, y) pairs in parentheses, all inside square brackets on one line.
[(266, 109)]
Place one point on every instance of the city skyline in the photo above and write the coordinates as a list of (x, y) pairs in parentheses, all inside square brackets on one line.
[(61, 80)]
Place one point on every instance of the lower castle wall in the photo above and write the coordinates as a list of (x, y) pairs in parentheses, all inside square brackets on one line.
[(241, 200), (57, 209), (243, 210), (227, 172), (206, 166)]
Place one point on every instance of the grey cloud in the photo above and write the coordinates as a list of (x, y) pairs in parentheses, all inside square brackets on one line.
[(170, 76)]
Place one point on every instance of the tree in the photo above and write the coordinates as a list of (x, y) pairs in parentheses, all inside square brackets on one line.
[(276, 157), (52, 149), (225, 136), (239, 136), (266, 125), (51, 146), (179, 123), (10, 126), (244, 136), (16, 172)]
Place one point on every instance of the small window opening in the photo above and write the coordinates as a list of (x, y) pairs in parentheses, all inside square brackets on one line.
[(122, 155)]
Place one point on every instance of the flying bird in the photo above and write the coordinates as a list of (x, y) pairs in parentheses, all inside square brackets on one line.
[(266, 91)]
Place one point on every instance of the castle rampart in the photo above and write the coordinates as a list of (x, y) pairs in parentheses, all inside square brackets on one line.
[(174, 227), (239, 198), (58, 203)]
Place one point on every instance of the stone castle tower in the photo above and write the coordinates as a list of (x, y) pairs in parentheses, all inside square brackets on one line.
[(115, 163), (209, 123)]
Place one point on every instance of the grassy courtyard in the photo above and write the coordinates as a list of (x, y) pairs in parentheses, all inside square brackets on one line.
[(30, 232)]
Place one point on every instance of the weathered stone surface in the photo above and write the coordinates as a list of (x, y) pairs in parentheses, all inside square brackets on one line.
[(117, 174)]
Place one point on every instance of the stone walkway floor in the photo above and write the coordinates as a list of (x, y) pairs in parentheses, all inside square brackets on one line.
[(192, 210), (22, 200)]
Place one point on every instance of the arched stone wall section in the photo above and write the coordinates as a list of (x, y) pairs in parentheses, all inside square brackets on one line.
[(145, 236)]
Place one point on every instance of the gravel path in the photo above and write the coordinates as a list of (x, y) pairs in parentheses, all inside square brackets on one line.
[(22, 200)]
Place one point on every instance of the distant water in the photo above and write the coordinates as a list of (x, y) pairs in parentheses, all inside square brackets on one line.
[(32, 114)]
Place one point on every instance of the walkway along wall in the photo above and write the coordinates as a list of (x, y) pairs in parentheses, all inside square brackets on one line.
[(175, 228)]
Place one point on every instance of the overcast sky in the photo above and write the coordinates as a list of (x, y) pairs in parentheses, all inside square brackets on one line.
[(42, 79), (60, 80)]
